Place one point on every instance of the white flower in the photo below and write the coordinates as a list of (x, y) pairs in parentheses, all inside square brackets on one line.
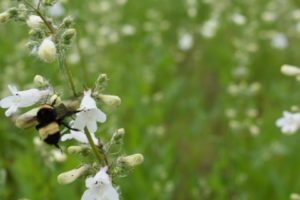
[(100, 187), (290, 70), (21, 99), (57, 10), (89, 115), (185, 42), (79, 136), (289, 123), (47, 50), (279, 41), (34, 21)]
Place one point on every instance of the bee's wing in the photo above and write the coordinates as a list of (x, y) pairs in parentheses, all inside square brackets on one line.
[(27, 120)]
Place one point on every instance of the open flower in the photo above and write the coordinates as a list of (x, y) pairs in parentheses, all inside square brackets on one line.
[(89, 115), (79, 136), (100, 187), (289, 123), (21, 99)]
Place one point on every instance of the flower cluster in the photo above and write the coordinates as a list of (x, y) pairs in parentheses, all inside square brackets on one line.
[(79, 114), (290, 121)]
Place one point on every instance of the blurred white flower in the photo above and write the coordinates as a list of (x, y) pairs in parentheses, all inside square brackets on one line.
[(238, 19), (89, 115), (290, 70), (209, 28), (79, 136), (289, 123), (185, 42), (100, 187), (34, 21), (47, 50), (57, 10), (21, 99), (279, 41), (128, 30)]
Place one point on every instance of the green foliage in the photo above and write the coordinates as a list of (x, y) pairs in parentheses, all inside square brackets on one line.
[(173, 101)]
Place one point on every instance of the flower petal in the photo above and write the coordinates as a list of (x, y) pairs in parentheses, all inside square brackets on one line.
[(8, 101), (79, 122), (13, 89), (100, 116), (91, 126), (11, 110)]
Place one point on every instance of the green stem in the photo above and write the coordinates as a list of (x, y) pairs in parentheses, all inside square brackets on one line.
[(100, 156), (63, 65), (49, 26)]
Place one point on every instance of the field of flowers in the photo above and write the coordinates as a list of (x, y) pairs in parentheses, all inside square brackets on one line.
[(202, 89)]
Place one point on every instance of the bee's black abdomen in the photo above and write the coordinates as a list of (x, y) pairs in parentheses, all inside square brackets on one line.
[(53, 139)]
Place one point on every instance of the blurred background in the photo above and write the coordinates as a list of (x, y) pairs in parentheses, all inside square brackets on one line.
[(201, 90)]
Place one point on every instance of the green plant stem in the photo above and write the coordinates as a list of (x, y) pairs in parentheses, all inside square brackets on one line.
[(65, 67), (100, 155), (49, 26)]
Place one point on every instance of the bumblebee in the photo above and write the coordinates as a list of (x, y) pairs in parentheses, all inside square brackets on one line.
[(47, 119)]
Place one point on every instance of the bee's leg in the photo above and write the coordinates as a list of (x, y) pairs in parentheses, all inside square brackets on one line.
[(68, 127), (57, 146)]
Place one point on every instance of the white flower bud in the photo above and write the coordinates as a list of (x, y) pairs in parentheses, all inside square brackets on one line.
[(132, 160), (34, 21), (55, 99), (47, 50), (58, 156), (295, 196), (110, 100), (39, 81), (26, 120), (4, 17), (78, 149), (290, 70), (72, 175)]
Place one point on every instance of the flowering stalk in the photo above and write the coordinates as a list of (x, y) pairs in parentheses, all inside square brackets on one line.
[(62, 61)]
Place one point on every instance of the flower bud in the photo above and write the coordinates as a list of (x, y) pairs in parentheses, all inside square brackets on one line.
[(68, 35), (32, 46), (290, 70), (132, 160), (34, 21), (118, 135), (27, 119), (12, 12), (36, 33), (72, 175), (67, 22), (39, 81), (58, 156), (78, 149), (4, 17), (100, 84), (55, 99), (47, 50), (110, 100), (295, 196)]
